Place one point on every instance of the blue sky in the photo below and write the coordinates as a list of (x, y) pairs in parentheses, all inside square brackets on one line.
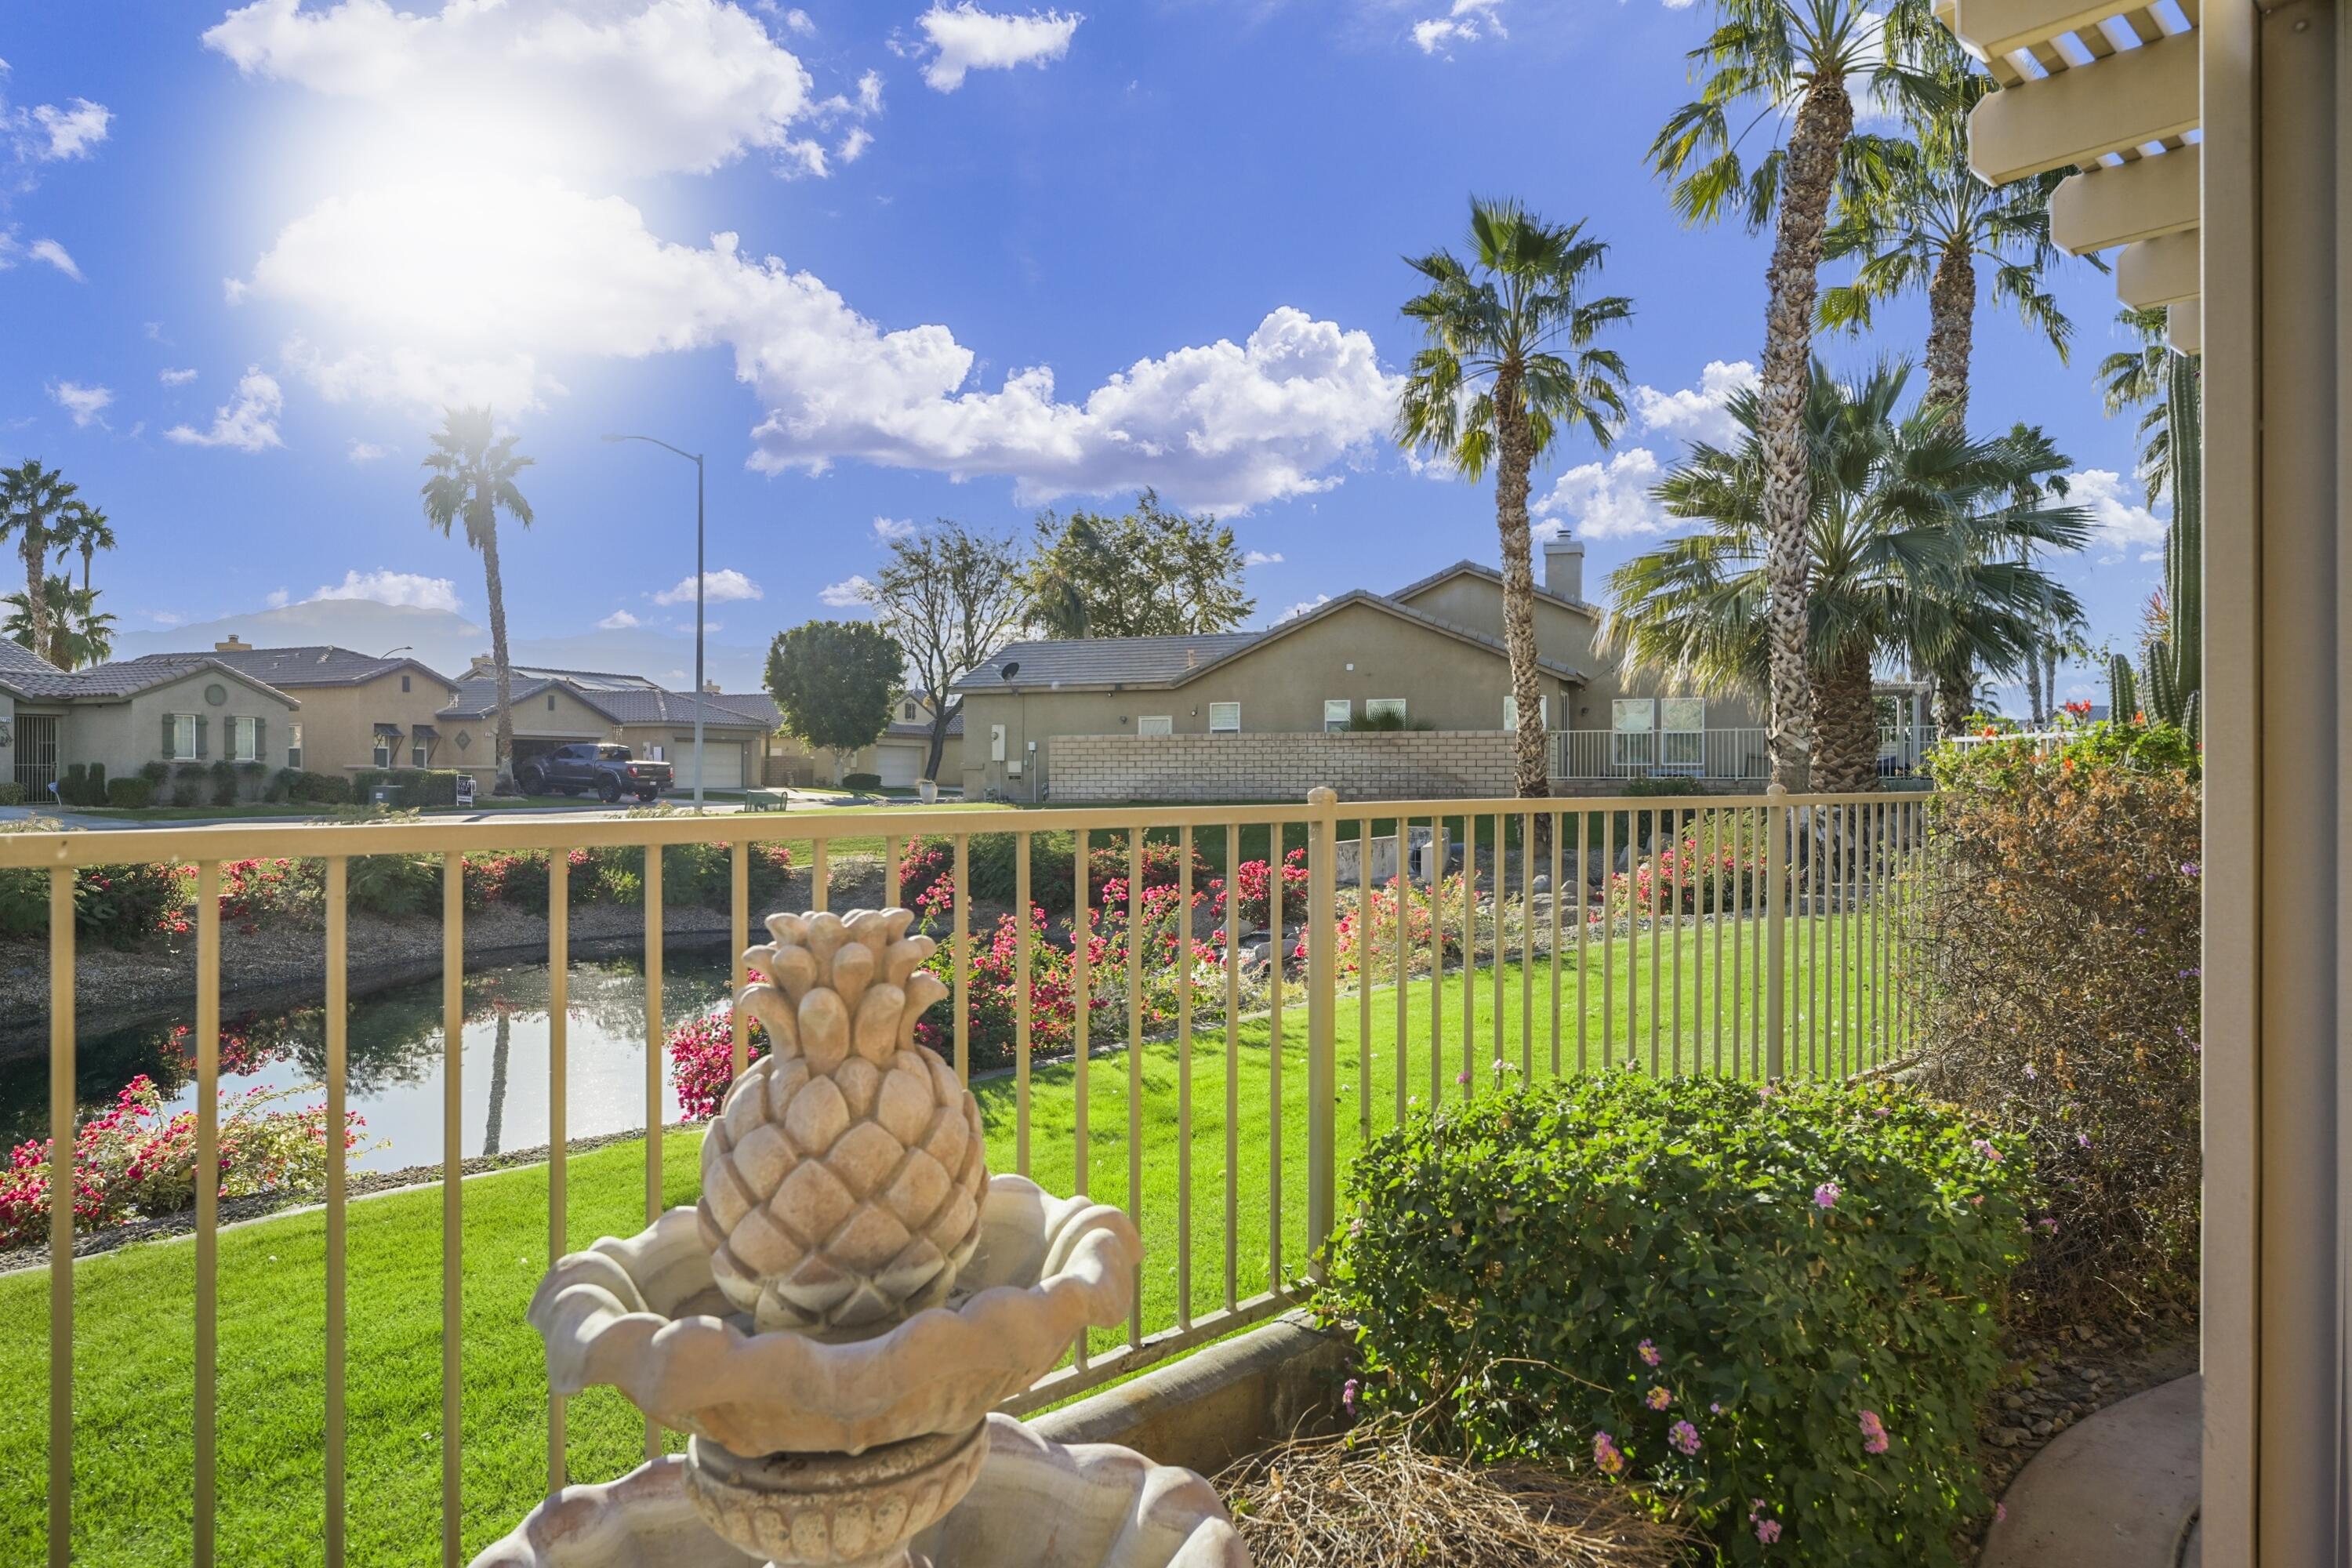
[(981, 260)]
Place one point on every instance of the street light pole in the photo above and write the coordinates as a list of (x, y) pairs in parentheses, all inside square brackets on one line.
[(696, 459)]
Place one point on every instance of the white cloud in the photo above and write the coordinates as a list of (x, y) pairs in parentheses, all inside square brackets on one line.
[(405, 588), (248, 422), (1609, 499), (1701, 413), (88, 405), (1301, 608), (719, 587), (51, 251), (1262, 558), (1224, 425), (795, 20), (967, 39), (277, 599), (165, 617), (889, 530), (2119, 523), (869, 93), (1466, 21), (71, 133), (852, 146), (617, 87), (618, 621), (367, 451), (175, 377), (848, 593)]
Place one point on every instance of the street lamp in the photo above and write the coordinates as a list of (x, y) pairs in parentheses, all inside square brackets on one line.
[(696, 458)]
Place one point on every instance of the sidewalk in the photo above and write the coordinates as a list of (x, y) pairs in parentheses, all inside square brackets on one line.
[(2119, 1490)]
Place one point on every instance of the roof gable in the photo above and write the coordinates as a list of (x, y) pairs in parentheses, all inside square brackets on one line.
[(1467, 568)]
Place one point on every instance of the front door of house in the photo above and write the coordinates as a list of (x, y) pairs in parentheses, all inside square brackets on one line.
[(36, 754)]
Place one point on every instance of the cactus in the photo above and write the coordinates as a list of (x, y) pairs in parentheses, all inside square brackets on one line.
[(2192, 716), (2183, 650), (2123, 689), (2163, 698)]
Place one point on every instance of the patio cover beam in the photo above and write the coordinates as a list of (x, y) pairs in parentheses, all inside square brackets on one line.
[(2127, 99), (2159, 271), (2141, 200)]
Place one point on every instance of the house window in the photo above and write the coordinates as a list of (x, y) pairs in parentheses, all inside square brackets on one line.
[(294, 746), (1511, 711), (550, 704), (908, 712), (383, 748), (1682, 733), (415, 754), (1224, 718), (403, 683), (1156, 724), (1385, 707), (1633, 726), (183, 735), (1339, 713), (244, 739)]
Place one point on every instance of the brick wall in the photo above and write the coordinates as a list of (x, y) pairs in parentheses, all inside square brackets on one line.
[(1404, 765)]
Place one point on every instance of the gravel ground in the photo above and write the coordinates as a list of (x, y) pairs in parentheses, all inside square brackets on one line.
[(284, 963)]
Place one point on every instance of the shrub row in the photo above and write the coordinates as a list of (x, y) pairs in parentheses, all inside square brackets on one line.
[(1052, 868), (412, 788)]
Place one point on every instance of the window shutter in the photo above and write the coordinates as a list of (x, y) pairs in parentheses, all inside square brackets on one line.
[(202, 724), (260, 729), (171, 727)]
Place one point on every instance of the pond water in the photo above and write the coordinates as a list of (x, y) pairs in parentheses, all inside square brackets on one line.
[(394, 1050)]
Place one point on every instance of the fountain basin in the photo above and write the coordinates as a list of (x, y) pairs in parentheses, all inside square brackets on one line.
[(1037, 1504), (645, 1314)]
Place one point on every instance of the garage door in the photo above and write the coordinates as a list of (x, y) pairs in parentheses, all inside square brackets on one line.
[(723, 764), (899, 766)]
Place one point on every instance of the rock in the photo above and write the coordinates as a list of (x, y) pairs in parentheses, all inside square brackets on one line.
[(2083, 1333), (2007, 1436), (2013, 1402)]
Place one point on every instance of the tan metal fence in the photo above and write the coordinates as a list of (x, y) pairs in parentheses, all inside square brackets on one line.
[(1751, 935)]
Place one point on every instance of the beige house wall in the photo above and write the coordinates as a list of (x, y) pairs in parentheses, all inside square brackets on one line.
[(339, 724), (127, 735), (1402, 765)]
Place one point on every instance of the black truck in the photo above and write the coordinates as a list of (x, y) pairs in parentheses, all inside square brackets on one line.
[(609, 771)]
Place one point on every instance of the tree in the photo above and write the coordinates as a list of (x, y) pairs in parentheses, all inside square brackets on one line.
[(1789, 61), (474, 471), (34, 504), (834, 681), (1152, 571), (87, 530), (1918, 219), (78, 633), (1509, 362), (2143, 378), (949, 597), (1911, 534)]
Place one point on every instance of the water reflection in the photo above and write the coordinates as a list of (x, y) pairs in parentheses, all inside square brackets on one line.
[(393, 1052)]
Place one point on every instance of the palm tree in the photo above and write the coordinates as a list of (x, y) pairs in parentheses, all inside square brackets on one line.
[(2144, 376), (34, 502), (87, 530), (1785, 63), (1510, 362), (1919, 220), (78, 633), (474, 471), (1910, 523)]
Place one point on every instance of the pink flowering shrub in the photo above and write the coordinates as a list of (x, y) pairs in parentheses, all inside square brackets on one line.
[(1640, 1275), (130, 1162)]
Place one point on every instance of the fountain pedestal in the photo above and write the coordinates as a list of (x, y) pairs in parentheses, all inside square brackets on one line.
[(834, 1510)]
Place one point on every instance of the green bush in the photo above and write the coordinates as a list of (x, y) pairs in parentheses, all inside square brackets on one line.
[(120, 906), (321, 789), (861, 781), (83, 784), (1386, 723), (12, 793), (2061, 932), (393, 886), (413, 789), (130, 792), (224, 781), (1771, 1310)]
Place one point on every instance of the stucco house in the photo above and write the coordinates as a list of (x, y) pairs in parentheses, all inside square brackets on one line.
[(1429, 656), (135, 711), (552, 707), (898, 759)]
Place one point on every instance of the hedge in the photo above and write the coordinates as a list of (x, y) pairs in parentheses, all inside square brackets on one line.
[(412, 787), (130, 792)]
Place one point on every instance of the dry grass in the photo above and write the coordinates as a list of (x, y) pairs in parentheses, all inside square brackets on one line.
[(1372, 1498)]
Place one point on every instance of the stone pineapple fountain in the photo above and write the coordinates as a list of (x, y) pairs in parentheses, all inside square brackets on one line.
[(834, 1322)]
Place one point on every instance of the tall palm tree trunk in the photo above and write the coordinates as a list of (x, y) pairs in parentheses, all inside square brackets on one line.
[(1531, 770), (1951, 331), (1954, 699), (34, 545), (2033, 687), (494, 1123), (1823, 121), (494, 584), (1845, 727)]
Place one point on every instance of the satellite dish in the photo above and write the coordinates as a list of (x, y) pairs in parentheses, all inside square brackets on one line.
[(1009, 670)]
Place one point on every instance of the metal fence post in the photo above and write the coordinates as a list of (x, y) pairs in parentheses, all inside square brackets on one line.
[(1776, 976), (1322, 1008)]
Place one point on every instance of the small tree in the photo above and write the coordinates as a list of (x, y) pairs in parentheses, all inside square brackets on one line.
[(474, 470), (951, 597), (1155, 571), (834, 682)]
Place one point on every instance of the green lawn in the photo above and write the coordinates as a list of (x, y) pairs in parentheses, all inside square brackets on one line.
[(134, 1307)]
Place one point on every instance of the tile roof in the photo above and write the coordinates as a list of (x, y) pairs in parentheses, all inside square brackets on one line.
[(479, 695), (128, 676), (296, 667), (1105, 662), (758, 704), (28, 674), (1489, 574), (592, 679), (921, 729)]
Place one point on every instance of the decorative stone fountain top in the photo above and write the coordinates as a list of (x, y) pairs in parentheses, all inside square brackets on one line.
[(835, 1321)]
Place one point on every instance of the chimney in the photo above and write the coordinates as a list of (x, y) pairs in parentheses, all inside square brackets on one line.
[(710, 687), (232, 644), (1564, 567)]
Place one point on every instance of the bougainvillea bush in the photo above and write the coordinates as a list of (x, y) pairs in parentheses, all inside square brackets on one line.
[(2059, 994), (132, 1162), (1768, 1311)]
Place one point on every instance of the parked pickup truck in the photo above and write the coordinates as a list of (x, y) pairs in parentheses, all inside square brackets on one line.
[(609, 771)]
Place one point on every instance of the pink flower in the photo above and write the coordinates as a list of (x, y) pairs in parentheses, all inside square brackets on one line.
[(1658, 1398), (1874, 1433), (1827, 1195), (1685, 1436), (2000, 1512), (1984, 1146), (1348, 1396), (1649, 1353), (1606, 1458), (1768, 1530)]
